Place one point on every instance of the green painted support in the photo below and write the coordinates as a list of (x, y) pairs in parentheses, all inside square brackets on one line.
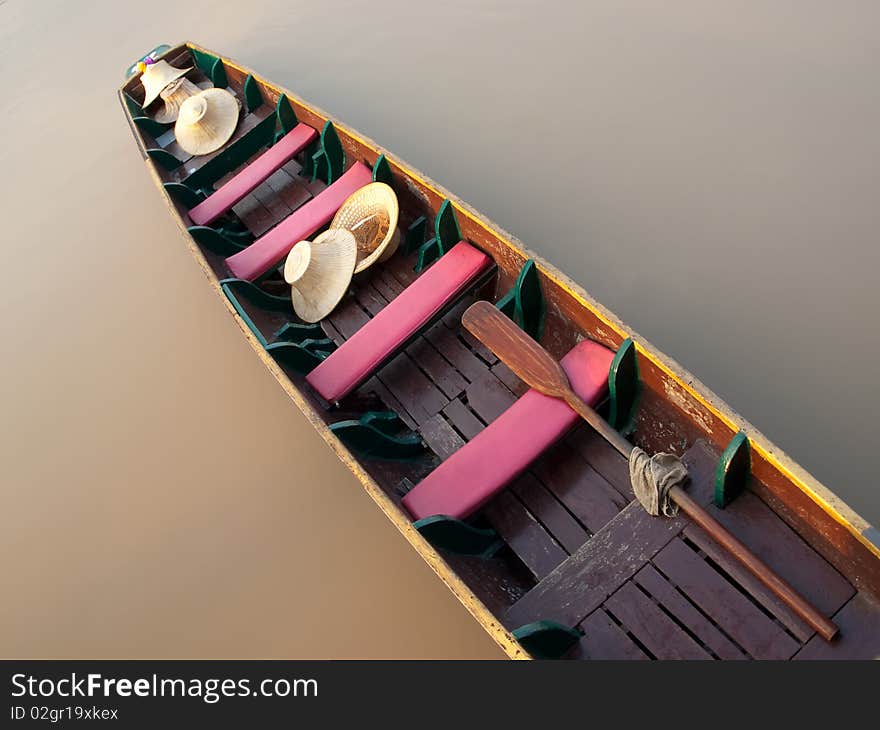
[(382, 170), (296, 332), (299, 357), (734, 470), (524, 303), (234, 155), (214, 241), (241, 238), (308, 168), (150, 126), (252, 95), (218, 74), (204, 61), (379, 435), (286, 116), (164, 159), (135, 109), (234, 289), (446, 235), (328, 163), (415, 235), (183, 194), (624, 388), (455, 536), (547, 639)]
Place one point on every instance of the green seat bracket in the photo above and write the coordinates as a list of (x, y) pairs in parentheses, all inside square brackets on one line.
[(285, 115), (214, 241), (547, 639), (164, 159), (253, 96), (454, 536), (446, 234), (183, 194), (382, 170), (733, 470), (212, 66), (235, 289), (150, 126), (524, 303), (415, 235), (624, 388), (296, 332), (302, 357), (379, 435)]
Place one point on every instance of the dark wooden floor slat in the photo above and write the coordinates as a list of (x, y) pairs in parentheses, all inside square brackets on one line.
[(578, 486), (465, 422), (602, 457), (559, 522), (580, 584), (488, 397), (674, 602), (289, 189), (753, 522), (524, 534), (421, 398), (653, 628), (440, 437), (256, 216), (448, 345), (273, 202), (859, 623), (604, 639), (733, 612)]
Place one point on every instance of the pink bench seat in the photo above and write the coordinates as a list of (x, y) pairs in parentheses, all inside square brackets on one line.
[(268, 250), (505, 448), (252, 176), (401, 318)]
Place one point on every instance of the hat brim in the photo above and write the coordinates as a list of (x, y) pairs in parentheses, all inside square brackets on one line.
[(155, 94), (214, 129), (321, 297)]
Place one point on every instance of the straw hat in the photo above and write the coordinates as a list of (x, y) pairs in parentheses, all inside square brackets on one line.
[(157, 76), (371, 215), (206, 121), (174, 95), (319, 273)]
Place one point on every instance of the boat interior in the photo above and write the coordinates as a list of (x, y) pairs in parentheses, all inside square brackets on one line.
[(563, 556)]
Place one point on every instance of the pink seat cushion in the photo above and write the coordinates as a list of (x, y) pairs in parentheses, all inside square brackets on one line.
[(268, 250), (505, 448), (253, 175), (358, 357)]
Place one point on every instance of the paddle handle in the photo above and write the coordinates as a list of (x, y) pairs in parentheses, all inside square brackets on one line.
[(698, 515)]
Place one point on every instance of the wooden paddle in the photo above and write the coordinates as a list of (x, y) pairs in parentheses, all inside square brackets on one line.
[(537, 368)]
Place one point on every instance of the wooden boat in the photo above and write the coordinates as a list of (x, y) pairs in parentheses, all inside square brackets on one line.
[(563, 561)]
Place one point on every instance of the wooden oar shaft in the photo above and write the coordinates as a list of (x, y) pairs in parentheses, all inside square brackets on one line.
[(537, 368)]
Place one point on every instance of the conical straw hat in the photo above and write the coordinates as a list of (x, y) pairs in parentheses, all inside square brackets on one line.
[(319, 273), (156, 77), (174, 95), (206, 121), (371, 215)]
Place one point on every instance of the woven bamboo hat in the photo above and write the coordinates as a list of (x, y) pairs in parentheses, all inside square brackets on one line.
[(370, 214), (177, 92), (319, 273), (206, 121), (156, 77)]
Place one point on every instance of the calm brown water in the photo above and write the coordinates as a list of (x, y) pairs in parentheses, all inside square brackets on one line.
[(709, 173)]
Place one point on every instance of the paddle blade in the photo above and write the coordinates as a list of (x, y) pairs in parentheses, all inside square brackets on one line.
[(525, 357)]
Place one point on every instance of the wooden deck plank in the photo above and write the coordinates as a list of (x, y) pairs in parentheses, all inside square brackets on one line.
[(464, 420), (509, 378), (859, 622), (729, 609), (441, 438), (421, 398), (653, 628), (254, 215), (488, 397), (348, 317), (444, 375), (566, 530), (273, 202), (524, 534), (289, 189), (604, 639), (580, 584), (374, 385), (448, 345), (602, 456), (759, 527), (679, 606), (578, 486)]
